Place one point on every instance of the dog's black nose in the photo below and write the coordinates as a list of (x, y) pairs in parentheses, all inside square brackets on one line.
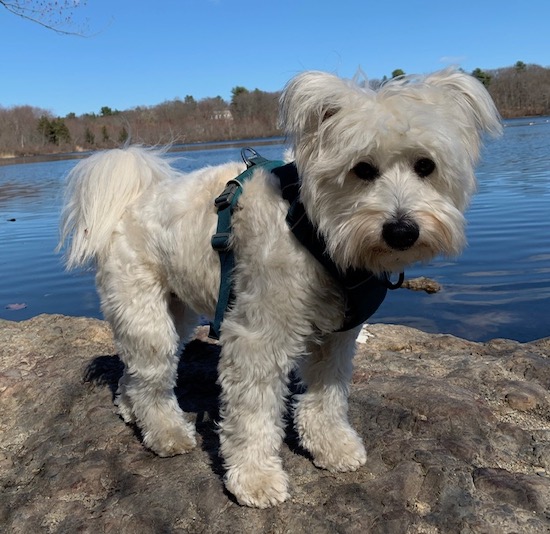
[(400, 234)]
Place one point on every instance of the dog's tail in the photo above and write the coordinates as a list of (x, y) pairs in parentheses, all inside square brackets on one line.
[(98, 191)]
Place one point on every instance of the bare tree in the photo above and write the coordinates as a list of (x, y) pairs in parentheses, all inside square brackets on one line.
[(521, 90), (19, 134), (53, 15)]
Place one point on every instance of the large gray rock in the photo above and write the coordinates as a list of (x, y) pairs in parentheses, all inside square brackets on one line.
[(458, 435)]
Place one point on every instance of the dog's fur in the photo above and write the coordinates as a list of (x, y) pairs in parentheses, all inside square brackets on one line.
[(147, 228)]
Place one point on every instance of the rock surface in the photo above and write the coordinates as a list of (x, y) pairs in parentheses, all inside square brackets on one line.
[(458, 436)]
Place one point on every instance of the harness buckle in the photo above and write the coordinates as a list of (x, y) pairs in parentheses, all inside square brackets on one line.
[(226, 198), (220, 241)]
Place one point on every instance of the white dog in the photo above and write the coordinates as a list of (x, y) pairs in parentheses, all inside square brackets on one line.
[(384, 179)]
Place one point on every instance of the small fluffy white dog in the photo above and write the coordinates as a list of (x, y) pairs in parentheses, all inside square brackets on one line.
[(384, 177)]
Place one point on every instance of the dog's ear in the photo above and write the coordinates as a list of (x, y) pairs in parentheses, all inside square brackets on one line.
[(471, 97), (308, 100)]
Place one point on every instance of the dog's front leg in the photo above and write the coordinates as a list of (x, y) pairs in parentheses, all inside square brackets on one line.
[(321, 413), (253, 372)]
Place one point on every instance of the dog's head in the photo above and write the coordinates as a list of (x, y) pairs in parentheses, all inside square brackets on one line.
[(387, 174)]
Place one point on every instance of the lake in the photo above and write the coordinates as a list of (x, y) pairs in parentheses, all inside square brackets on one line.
[(499, 287)]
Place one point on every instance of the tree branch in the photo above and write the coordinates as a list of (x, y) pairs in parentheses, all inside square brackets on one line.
[(38, 11)]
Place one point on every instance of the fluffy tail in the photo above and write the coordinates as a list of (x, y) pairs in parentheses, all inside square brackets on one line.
[(97, 192)]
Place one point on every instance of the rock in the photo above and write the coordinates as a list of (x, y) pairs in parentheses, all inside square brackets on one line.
[(458, 437), (421, 284)]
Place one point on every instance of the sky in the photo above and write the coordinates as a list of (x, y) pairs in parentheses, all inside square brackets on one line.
[(135, 53)]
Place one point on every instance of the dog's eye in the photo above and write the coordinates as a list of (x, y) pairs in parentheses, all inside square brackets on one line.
[(329, 113), (424, 167), (366, 171)]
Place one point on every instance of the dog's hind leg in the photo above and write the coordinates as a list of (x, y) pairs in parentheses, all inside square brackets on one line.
[(321, 413), (137, 307)]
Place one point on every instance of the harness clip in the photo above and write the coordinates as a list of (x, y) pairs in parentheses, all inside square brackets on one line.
[(226, 198), (220, 241)]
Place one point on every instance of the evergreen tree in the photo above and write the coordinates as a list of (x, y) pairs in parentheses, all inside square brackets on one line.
[(482, 76), (123, 135), (61, 133), (53, 131), (89, 136), (44, 128)]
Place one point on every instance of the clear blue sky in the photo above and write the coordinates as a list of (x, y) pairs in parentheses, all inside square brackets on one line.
[(143, 53)]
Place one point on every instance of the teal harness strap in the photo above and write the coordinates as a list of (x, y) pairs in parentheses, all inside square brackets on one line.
[(221, 240)]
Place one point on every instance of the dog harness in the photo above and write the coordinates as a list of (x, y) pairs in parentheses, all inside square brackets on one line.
[(363, 290)]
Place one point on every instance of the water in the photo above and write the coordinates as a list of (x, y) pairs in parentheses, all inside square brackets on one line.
[(499, 287)]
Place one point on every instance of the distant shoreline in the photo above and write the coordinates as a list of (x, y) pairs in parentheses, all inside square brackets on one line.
[(6, 159), (61, 156)]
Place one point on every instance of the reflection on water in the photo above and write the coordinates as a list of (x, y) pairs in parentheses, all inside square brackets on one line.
[(499, 287)]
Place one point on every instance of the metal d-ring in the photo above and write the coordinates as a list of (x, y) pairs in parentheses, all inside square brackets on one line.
[(246, 158), (390, 285)]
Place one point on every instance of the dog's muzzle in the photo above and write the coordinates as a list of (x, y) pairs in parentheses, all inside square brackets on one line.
[(400, 234)]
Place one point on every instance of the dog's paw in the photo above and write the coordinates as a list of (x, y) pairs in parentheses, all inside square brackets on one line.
[(340, 452), (258, 488), (342, 458), (170, 441)]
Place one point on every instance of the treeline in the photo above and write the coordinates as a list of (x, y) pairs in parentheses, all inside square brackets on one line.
[(28, 130), (520, 90)]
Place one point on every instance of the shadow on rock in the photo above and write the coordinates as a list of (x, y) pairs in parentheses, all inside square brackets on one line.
[(105, 371), (196, 389)]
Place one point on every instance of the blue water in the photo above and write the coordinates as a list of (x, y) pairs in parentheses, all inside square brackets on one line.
[(499, 287)]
